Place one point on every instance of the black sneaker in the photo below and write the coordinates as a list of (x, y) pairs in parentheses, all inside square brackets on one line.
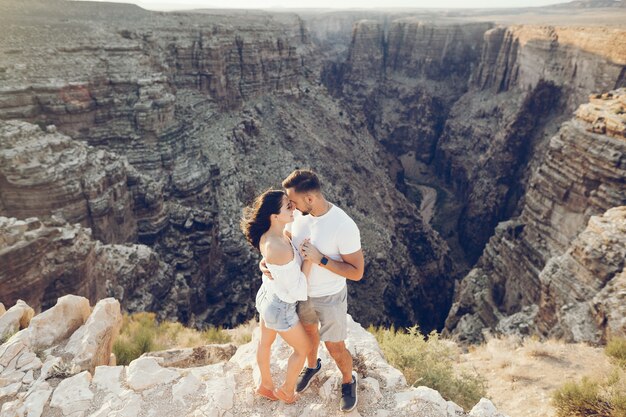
[(349, 396), (306, 376)]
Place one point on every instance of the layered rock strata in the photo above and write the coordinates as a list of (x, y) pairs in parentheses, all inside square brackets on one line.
[(72, 375), (528, 80), (47, 173), (45, 259), (528, 259), (591, 306), (404, 77)]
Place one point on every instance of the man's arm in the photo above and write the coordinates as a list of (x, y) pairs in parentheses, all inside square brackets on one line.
[(352, 267)]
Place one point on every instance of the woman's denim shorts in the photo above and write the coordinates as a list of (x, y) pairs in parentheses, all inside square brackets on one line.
[(277, 314)]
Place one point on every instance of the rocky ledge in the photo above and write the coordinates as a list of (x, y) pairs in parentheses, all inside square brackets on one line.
[(61, 365)]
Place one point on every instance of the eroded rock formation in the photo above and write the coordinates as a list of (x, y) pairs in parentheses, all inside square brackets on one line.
[(528, 81), (44, 260), (544, 257)]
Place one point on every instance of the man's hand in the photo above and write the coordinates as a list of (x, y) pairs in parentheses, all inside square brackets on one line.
[(264, 269)]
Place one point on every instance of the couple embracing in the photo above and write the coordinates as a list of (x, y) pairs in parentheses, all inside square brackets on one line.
[(309, 247)]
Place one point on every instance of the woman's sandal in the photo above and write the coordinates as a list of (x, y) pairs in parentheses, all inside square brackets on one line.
[(266, 393), (284, 397)]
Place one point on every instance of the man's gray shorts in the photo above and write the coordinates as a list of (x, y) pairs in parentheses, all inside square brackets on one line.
[(330, 311)]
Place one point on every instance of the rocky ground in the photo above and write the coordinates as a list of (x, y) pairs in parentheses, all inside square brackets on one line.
[(59, 363)]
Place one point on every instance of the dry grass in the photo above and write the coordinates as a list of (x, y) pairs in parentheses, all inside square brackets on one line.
[(616, 350), (593, 397), (242, 334), (142, 333), (523, 374), (430, 362)]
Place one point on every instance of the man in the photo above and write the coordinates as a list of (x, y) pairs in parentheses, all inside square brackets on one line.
[(328, 237)]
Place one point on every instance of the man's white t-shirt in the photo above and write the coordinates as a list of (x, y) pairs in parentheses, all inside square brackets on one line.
[(334, 234)]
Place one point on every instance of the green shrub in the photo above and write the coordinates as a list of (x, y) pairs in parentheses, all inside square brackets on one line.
[(616, 350), (592, 398), (429, 362), (142, 333)]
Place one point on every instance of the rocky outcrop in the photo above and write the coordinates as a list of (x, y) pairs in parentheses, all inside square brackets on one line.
[(44, 260), (194, 357), (16, 318), (541, 255), (589, 307), (528, 80), (47, 173), (54, 381)]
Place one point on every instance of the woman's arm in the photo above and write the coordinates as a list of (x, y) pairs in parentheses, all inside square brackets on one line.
[(306, 267)]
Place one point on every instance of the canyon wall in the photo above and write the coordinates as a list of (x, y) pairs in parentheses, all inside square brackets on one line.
[(529, 81), (544, 264), (43, 260), (474, 101), (192, 115), (484, 103), (404, 76)]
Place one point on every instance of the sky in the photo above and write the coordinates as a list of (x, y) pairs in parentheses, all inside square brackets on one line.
[(335, 4)]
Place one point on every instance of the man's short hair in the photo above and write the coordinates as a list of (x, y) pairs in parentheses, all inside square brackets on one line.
[(302, 181)]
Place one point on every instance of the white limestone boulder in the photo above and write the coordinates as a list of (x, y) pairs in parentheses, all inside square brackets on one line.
[(92, 343), (485, 408), (144, 373), (118, 401), (363, 343), (31, 405), (59, 322), (73, 395), (16, 318), (428, 400)]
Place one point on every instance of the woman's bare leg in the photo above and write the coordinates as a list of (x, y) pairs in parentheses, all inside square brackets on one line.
[(297, 338), (263, 355)]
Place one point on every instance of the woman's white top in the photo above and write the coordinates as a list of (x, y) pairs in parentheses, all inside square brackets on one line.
[(289, 283)]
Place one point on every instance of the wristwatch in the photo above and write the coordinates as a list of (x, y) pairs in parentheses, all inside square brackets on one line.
[(324, 260)]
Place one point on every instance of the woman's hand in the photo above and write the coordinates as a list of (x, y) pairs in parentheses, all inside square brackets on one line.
[(264, 269), (309, 252)]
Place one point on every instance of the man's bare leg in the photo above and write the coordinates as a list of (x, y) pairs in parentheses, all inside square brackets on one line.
[(343, 359), (313, 332)]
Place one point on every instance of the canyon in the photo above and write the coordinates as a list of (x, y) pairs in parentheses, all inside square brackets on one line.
[(130, 141)]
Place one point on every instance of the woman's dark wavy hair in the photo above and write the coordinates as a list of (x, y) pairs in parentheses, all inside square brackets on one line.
[(256, 217)]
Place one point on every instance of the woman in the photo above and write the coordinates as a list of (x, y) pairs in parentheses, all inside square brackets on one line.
[(263, 225)]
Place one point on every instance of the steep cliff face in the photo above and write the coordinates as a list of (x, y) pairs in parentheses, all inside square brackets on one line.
[(49, 173), (539, 75), (589, 307), (404, 77), (581, 175)]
